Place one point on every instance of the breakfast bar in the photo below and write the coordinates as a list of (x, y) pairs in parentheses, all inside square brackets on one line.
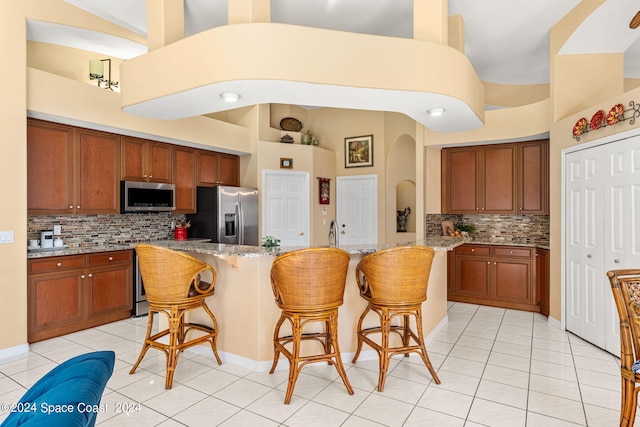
[(246, 312)]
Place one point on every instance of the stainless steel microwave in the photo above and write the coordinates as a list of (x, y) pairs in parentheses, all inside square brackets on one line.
[(147, 197)]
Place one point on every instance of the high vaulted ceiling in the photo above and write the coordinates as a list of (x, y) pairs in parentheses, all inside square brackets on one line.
[(506, 42)]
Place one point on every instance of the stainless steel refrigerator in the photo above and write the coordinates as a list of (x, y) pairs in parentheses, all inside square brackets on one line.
[(226, 215)]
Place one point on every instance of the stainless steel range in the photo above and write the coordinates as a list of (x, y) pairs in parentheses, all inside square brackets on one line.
[(140, 303)]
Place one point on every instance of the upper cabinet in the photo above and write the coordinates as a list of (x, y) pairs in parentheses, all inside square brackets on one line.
[(144, 160), (71, 170), (533, 185), (218, 169), (77, 170), (184, 178), (496, 179)]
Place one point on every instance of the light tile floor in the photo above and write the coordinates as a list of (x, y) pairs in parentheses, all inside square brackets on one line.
[(498, 368)]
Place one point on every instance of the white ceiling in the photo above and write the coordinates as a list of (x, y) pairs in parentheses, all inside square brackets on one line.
[(506, 41)]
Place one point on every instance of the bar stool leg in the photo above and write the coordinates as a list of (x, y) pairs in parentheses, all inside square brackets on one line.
[(359, 334), (214, 336), (383, 353), (332, 340), (276, 350), (423, 349), (293, 362)]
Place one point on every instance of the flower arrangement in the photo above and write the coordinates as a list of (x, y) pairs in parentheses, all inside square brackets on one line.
[(270, 242)]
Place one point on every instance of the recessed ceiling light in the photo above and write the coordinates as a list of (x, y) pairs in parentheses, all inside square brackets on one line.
[(435, 112), (230, 96)]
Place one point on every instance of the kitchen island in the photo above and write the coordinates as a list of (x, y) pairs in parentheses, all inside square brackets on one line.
[(246, 312)]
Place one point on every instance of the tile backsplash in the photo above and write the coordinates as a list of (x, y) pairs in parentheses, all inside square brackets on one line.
[(81, 231), (497, 228)]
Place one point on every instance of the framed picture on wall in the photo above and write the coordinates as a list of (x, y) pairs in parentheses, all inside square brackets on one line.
[(358, 151)]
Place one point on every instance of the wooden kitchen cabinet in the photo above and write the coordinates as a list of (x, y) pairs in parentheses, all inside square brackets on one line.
[(71, 170), (218, 169), (70, 293), (509, 178), (502, 276), (97, 164), (479, 179), (145, 160), (533, 178), (184, 178), (50, 167)]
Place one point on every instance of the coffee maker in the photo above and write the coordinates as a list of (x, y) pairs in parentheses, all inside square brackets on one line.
[(46, 239)]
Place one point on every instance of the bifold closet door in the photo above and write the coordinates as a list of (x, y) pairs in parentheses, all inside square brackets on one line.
[(602, 233), (584, 262)]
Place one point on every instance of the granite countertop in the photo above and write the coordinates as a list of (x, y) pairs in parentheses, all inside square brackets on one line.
[(204, 246)]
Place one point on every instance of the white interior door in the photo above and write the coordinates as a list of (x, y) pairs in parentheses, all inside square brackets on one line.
[(285, 206), (357, 209), (584, 246)]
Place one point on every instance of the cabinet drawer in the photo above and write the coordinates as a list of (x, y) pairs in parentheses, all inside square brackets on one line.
[(473, 250), (512, 252), (106, 258), (53, 264)]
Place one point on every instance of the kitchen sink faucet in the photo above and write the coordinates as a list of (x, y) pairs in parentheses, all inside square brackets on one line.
[(333, 234)]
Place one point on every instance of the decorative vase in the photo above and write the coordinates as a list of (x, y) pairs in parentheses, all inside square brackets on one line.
[(307, 138)]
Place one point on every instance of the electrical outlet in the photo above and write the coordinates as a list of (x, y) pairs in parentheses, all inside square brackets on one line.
[(57, 230)]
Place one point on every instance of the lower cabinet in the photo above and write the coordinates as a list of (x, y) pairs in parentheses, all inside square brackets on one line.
[(70, 293), (501, 276)]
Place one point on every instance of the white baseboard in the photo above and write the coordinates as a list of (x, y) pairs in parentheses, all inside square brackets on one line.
[(14, 351)]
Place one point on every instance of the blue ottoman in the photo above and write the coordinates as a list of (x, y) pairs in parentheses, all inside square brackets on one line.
[(69, 395)]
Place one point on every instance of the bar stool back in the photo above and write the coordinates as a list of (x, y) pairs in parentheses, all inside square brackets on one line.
[(394, 284), (625, 285), (308, 285)]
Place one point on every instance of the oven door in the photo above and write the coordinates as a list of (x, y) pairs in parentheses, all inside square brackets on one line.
[(140, 304)]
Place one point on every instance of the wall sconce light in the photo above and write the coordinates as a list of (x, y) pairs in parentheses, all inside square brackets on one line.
[(96, 72)]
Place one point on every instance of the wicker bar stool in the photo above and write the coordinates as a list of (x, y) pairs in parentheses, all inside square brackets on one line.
[(625, 285), (394, 283), (173, 287), (308, 285)]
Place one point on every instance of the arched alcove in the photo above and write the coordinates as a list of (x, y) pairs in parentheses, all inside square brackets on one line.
[(401, 189), (406, 199)]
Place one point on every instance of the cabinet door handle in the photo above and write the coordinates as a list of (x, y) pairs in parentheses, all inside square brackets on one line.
[(301, 233), (589, 256), (494, 263), (617, 261), (59, 264), (488, 262), (78, 207), (71, 207), (110, 258), (90, 275), (473, 250), (82, 276), (510, 252)]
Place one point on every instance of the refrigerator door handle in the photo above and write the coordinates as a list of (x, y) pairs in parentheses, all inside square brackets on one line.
[(240, 224)]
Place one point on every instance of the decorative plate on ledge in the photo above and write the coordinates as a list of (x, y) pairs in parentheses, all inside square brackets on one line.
[(290, 124)]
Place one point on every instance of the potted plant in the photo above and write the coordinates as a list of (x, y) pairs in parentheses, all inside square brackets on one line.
[(465, 229), (270, 242)]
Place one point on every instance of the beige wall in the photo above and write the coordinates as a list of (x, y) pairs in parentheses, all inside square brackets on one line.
[(13, 178)]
